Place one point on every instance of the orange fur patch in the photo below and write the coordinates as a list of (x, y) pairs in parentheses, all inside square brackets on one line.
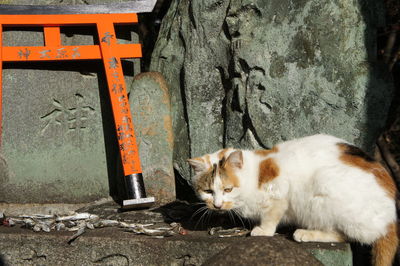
[(229, 178), (268, 171), (210, 203), (384, 249), (385, 180), (266, 152), (227, 205), (355, 157), (222, 153), (208, 161), (205, 181)]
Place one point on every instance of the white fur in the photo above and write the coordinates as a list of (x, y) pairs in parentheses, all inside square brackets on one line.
[(315, 190)]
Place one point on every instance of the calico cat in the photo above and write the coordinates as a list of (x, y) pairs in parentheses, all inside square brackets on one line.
[(328, 188)]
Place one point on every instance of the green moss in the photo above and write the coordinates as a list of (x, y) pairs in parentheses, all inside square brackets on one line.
[(277, 68), (302, 50), (333, 257)]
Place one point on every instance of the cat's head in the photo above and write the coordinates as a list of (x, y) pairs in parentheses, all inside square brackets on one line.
[(215, 180)]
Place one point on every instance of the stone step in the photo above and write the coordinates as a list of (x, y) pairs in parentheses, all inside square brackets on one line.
[(113, 246), (117, 246)]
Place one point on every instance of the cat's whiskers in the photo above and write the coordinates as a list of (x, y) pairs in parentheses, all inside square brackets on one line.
[(232, 216), (205, 214), (240, 218), (198, 211), (210, 214)]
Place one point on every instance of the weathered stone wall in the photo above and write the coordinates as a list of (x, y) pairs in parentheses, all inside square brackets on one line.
[(253, 73)]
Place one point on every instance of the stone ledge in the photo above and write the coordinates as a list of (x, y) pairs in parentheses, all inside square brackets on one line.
[(113, 246)]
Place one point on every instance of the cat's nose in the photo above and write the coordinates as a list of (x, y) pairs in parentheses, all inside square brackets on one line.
[(217, 206)]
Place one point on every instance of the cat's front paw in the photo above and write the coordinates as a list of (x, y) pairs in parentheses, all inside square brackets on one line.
[(258, 231), (301, 235)]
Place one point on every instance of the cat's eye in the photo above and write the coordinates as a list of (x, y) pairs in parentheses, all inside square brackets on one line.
[(208, 191), (228, 189)]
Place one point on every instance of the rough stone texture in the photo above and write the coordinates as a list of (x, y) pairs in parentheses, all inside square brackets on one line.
[(263, 251), (53, 138), (111, 246), (115, 246), (58, 140), (15, 209), (106, 247), (58, 2), (253, 73), (151, 114)]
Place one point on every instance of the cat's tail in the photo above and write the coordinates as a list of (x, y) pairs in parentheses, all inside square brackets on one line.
[(384, 249)]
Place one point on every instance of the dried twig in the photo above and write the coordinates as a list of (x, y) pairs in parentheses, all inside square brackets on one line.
[(80, 232)]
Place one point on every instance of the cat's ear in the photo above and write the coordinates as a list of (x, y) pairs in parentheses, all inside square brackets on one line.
[(235, 159), (197, 164)]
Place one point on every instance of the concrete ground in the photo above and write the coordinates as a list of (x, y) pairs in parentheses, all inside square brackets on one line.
[(118, 246)]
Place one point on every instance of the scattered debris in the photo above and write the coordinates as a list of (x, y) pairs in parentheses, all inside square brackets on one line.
[(132, 225), (37, 216), (78, 216), (156, 232), (80, 232), (106, 223), (60, 226), (232, 232), (8, 222), (79, 222), (177, 228), (77, 226), (90, 226), (42, 226), (160, 232)]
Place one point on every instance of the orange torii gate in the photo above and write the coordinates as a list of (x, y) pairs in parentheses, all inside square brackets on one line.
[(110, 52)]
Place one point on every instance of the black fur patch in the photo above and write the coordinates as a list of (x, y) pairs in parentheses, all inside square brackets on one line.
[(214, 170), (222, 162), (355, 151)]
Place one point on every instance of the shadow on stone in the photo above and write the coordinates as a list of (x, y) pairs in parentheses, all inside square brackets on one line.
[(379, 95), (361, 254), (379, 85), (195, 216), (183, 190), (2, 262)]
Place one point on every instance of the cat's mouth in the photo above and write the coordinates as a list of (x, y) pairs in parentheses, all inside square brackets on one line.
[(226, 206)]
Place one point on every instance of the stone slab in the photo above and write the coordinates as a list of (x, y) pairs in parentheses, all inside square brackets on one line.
[(151, 114), (263, 251), (110, 246), (53, 139)]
